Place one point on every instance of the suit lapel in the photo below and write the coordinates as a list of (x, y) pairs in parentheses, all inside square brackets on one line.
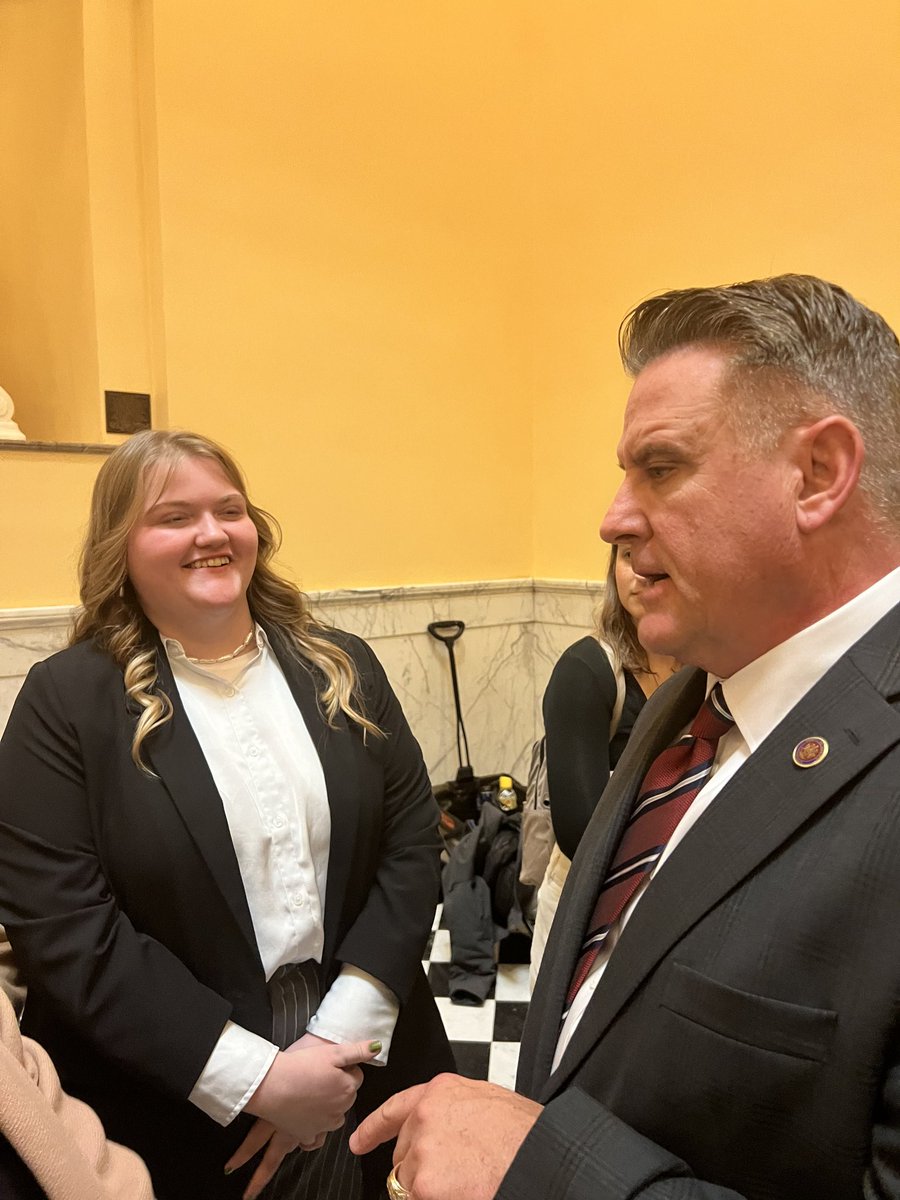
[(765, 803), (176, 757), (660, 721)]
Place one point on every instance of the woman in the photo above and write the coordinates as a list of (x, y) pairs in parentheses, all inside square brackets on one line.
[(218, 847), (596, 690)]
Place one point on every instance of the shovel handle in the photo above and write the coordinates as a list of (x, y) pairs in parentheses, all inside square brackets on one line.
[(446, 631)]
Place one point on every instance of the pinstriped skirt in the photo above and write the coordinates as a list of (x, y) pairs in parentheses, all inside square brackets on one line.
[(332, 1172)]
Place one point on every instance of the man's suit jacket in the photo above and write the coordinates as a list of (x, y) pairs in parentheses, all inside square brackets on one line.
[(125, 908), (744, 1037)]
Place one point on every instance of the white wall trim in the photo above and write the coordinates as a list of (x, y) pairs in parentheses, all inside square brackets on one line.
[(33, 618), (61, 614)]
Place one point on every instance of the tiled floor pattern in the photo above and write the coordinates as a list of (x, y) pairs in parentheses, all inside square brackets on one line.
[(485, 1040)]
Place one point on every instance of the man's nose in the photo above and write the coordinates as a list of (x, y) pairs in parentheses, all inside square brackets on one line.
[(623, 519)]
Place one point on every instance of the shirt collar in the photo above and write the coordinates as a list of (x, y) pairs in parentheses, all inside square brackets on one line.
[(177, 657), (761, 694)]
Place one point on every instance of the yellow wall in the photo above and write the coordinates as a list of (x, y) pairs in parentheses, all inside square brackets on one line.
[(48, 348), (45, 500), (692, 143), (381, 251), (342, 219)]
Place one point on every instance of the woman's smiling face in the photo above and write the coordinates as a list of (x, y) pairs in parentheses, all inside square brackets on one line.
[(192, 551)]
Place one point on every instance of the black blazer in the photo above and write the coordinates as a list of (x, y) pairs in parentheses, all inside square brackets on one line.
[(745, 1033), (125, 908)]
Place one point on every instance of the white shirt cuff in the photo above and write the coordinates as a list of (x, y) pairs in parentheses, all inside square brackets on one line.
[(357, 1008), (233, 1072)]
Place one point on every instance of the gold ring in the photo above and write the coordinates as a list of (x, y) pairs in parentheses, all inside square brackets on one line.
[(395, 1188)]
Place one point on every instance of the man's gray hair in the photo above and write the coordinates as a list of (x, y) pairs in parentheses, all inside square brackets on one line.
[(798, 348)]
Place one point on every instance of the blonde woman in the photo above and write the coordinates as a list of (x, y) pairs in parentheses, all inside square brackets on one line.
[(596, 690), (218, 849)]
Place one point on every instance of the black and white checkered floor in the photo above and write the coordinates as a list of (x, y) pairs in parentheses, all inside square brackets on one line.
[(485, 1040)]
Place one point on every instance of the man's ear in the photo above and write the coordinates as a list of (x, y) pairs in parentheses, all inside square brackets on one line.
[(830, 455)]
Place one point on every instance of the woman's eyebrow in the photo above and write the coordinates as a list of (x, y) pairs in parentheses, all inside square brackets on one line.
[(229, 499)]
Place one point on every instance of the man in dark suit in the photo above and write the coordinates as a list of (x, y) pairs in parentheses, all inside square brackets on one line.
[(737, 1032)]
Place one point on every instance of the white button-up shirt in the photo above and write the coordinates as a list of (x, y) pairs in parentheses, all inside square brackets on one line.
[(270, 779)]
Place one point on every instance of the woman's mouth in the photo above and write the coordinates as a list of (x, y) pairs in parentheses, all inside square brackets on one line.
[(219, 561)]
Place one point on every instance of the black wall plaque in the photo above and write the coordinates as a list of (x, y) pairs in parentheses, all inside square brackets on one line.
[(127, 412)]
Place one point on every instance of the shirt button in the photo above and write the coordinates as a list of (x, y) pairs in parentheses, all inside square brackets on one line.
[(230, 691), (254, 753), (278, 823), (297, 898)]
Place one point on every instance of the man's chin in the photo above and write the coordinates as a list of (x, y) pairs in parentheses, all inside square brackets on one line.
[(658, 636)]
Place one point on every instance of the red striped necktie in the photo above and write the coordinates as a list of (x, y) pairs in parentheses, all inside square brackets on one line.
[(673, 780)]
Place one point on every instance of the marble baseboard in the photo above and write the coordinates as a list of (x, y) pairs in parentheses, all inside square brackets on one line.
[(515, 631)]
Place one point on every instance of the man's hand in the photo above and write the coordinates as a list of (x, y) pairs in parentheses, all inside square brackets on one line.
[(455, 1137)]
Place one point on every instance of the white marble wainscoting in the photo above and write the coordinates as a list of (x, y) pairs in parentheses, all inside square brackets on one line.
[(27, 635), (515, 631)]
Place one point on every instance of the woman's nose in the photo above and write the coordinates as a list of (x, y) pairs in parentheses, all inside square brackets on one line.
[(210, 531)]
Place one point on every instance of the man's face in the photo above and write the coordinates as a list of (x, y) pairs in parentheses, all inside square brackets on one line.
[(709, 524)]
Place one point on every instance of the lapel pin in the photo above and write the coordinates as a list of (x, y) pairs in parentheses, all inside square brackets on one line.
[(810, 752)]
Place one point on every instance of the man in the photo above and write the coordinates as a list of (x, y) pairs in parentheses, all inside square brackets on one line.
[(736, 1032)]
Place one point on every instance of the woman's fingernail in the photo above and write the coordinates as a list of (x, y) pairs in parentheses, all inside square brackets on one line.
[(375, 1047), (228, 1170)]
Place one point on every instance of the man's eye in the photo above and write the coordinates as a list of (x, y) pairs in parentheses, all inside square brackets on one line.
[(658, 472)]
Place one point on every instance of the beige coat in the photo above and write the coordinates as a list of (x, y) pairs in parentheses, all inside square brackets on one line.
[(11, 981), (59, 1138)]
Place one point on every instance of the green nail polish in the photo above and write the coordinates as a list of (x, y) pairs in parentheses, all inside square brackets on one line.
[(228, 1170), (375, 1047)]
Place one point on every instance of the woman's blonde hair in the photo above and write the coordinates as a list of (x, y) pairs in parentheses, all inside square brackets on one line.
[(615, 625), (112, 617)]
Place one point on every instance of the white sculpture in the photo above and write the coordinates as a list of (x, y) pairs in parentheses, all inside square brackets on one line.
[(9, 430)]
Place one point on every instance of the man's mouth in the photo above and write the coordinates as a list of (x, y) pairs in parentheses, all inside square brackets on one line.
[(221, 561), (650, 577)]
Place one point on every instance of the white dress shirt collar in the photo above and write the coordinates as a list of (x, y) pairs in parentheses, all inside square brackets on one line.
[(761, 694)]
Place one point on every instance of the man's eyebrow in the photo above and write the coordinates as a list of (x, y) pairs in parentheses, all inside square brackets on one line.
[(649, 451)]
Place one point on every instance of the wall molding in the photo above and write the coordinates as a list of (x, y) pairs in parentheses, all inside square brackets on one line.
[(61, 614), (35, 618), (101, 448), (515, 631)]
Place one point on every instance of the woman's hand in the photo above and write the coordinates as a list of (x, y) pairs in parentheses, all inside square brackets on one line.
[(279, 1146), (305, 1093), (310, 1086)]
